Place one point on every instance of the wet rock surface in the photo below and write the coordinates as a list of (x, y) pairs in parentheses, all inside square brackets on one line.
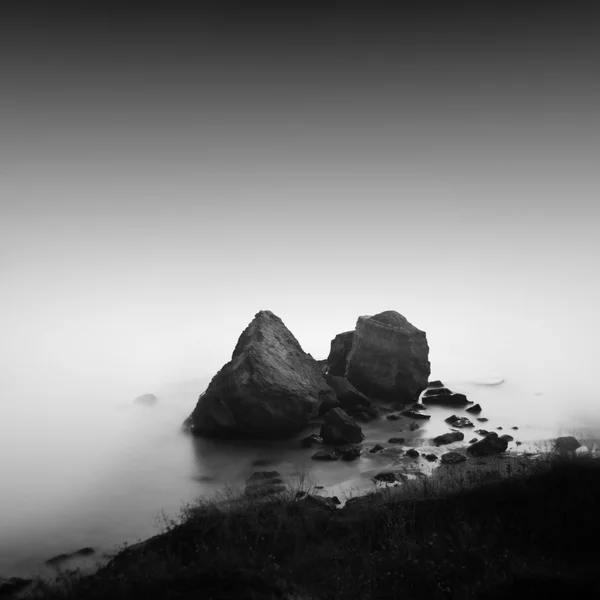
[(449, 438), (415, 414), (475, 409), (459, 421), (490, 444), (389, 358), (567, 444), (340, 428), (338, 353), (269, 389)]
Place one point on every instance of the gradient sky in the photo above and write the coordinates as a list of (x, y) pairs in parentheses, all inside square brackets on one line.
[(163, 176)]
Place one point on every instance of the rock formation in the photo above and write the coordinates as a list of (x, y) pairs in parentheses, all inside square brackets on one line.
[(490, 444), (338, 353), (388, 358), (340, 428), (269, 389)]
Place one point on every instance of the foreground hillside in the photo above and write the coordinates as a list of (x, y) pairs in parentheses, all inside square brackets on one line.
[(516, 537)]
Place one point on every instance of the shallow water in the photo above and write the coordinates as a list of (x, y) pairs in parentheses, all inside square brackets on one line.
[(99, 474)]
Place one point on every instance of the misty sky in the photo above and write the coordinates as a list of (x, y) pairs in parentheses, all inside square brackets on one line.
[(161, 180)]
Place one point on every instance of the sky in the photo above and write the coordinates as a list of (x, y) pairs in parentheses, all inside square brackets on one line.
[(166, 174)]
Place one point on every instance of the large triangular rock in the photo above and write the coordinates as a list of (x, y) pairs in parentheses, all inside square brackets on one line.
[(270, 389), (389, 358), (341, 345)]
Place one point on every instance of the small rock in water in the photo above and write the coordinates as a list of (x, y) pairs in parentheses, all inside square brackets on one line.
[(386, 477), (349, 452), (449, 438), (515, 427), (431, 457), (491, 444), (261, 462), (393, 417), (312, 439), (396, 440), (376, 448), (459, 421), (483, 419), (418, 406), (498, 427), (325, 455), (472, 441), (415, 414), (412, 453), (414, 426), (508, 438), (482, 431), (453, 458), (476, 408)]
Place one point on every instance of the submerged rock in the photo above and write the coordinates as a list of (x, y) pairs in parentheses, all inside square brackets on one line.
[(325, 455), (386, 477), (475, 409), (349, 452), (376, 448), (396, 440), (389, 358), (431, 457), (490, 444), (449, 438), (269, 389), (567, 444), (146, 400), (435, 384), (508, 438), (338, 353), (437, 391), (412, 453), (415, 414), (56, 560), (340, 428)]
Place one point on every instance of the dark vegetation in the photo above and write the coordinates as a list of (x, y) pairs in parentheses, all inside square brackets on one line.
[(533, 534)]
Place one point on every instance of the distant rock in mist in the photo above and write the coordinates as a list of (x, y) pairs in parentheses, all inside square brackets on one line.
[(146, 400)]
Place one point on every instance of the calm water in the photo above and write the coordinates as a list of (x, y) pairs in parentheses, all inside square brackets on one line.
[(94, 469)]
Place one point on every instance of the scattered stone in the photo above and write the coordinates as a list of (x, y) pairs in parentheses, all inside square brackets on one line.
[(418, 406), (518, 443), (472, 441), (269, 389), (311, 440), (415, 414), (482, 431), (449, 438), (491, 444), (414, 426), (396, 440), (340, 428), (459, 421), (393, 417), (261, 462), (376, 448), (483, 419), (476, 408), (453, 458), (386, 477), (567, 444), (508, 438), (515, 427), (499, 427), (412, 453), (389, 358), (437, 391), (325, 455), (431, 457), (349, 452)]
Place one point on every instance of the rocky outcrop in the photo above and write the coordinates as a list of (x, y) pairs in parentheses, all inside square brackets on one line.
[(340, 428), (269, 389), (341, 345), (389, 358), (490, 444), (349, 398), (445, 398), (475, 409)]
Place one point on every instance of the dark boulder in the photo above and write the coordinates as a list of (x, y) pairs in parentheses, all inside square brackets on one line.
[(386, 477), (453, 458), (338, 353), (270, 389), (415, 414), (376, 448), (349, 452), (435, 384), (475, 409), (483, 419), (459, 421), (452, 399), (431, 457), (490, 444), (396, 440), (437, 391), (412, 453), (449, 438), (472, 441), (389, 358), (508, 438), (340, 428), (349, 398), (566, 444)]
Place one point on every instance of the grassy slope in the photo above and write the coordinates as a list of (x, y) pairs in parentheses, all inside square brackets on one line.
[(516, 537)]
